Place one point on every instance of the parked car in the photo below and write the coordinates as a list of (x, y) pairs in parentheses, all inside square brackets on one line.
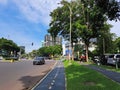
[(38, 61), (1, 58), (103, 59), (112, 59)]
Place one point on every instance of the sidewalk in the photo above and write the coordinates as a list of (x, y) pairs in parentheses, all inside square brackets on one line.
[(55, 80), (115, 76)]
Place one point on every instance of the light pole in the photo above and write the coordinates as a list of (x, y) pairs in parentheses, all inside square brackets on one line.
[(70, 10), (70, 31)]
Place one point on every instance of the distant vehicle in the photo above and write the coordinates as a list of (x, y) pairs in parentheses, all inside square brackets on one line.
[(1, 58), (113, 58), (38, 61)]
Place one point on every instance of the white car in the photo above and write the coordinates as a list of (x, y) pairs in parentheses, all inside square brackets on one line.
[(1, 58), (113, 58)]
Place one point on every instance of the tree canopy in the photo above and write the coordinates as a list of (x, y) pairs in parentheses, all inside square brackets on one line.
[(51, 50), (88, 17), (8, 46)]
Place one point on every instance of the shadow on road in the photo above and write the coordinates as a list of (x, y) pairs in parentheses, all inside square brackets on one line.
[(30, 81)]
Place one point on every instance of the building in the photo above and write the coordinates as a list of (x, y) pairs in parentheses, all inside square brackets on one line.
[(49, 41), (67, 48)]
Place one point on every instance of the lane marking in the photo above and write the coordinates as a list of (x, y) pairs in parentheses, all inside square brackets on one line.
[(50, 87)]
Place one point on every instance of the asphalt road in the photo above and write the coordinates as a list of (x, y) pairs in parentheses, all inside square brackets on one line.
[(22, 75)]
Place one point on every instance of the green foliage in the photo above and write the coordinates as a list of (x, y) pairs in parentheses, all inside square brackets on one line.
[(89, 17), (60, 22), (117, 45), (105, 40), (8, 46), (51, 50), (109, 7)]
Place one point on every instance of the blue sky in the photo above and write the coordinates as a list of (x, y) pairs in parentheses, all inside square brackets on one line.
[(27, 21)]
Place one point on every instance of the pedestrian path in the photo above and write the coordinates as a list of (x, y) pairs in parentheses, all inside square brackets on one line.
[(55, 80), (115, 76)]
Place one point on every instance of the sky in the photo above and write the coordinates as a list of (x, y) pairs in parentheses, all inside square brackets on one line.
[(27, 21)]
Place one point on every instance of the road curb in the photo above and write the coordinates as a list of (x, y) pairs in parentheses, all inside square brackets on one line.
[(45, 76)]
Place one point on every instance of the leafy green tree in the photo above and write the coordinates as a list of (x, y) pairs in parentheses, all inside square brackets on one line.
[(88, 19), (8, 47), (105, 40), (90, 22), (50, 51), (41, 51), (111, 8), (60, 23), (117, 45)]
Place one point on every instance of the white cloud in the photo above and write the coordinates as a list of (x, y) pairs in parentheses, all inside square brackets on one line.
[(116, 28), (37, 10)]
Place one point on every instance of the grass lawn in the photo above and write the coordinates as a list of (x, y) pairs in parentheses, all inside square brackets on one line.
[(82, 78)]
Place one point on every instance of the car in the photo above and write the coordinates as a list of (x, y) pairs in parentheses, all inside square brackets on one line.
[(104, 58), (1, 58), (38, 61), (113, 58)]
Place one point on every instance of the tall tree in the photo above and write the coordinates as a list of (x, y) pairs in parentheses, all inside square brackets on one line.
[(117, 44), (87, 18), (105, 40), (111, 8), (8, 46)]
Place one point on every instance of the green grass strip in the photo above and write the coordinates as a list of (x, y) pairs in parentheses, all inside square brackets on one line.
[(80, 77)]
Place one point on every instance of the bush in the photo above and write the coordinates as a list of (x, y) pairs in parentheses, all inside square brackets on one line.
[(9, 58)]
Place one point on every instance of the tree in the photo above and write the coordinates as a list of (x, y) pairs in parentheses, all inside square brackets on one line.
[(88, 19), (50, 51), (8, 47), (60, 22), (117, 45), (110, 8), (105, 40)]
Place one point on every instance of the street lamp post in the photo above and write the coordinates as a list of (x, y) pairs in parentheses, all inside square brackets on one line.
[(70, 9), (70, 30)]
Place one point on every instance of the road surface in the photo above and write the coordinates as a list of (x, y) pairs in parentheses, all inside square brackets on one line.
[(55, 80), (22, 75)]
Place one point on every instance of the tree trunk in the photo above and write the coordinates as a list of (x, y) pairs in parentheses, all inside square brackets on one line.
[(86, 47), (72, 53)]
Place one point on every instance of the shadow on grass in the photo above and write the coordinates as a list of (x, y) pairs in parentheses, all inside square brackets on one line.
[(80, 77)]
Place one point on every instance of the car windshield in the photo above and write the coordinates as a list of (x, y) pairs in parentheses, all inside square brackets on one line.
[(118, 56), (39, 58)]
